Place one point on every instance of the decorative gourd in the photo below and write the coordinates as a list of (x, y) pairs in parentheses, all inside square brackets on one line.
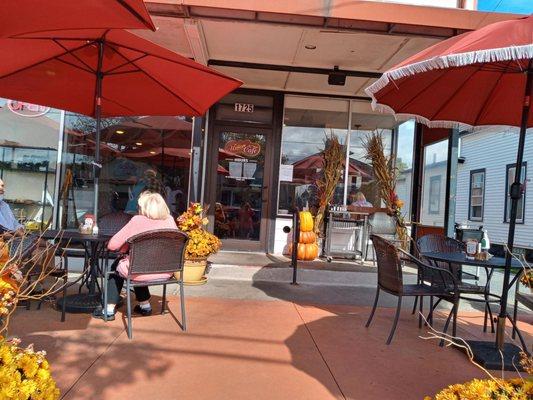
[(306, 221), (307, 237), (307, 252)]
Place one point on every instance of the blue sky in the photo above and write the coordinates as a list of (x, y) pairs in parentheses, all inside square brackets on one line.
[(511, 6)]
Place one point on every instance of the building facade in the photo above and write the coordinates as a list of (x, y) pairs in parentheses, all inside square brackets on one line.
[(254, 158)]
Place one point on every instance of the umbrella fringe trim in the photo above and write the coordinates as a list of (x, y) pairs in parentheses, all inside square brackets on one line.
[(449, 61)]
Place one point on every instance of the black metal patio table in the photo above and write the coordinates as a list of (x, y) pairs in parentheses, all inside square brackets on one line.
[(492, 264), (94, 246)]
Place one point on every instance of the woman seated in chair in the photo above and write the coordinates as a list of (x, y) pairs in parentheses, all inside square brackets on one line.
[(153, 214)]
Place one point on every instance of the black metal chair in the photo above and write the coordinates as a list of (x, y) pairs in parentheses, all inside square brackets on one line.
[(22, 248), (154, 252), (384, 225), (525, 298), (443, 244), (390, 280)]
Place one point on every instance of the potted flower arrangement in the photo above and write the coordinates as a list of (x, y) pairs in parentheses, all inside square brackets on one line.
[(527, 279), (201, 243), (24, 372)]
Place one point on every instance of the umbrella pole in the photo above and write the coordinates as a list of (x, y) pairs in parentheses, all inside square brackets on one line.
[(516, 195), (97, 111)]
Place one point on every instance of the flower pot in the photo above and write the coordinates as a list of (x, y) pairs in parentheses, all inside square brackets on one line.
[(193, 272)]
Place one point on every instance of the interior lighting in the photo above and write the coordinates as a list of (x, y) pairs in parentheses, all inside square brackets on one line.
[(139, 143), (120, 131)]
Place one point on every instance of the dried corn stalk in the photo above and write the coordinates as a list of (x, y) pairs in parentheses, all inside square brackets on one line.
[(385, 176), (333, 160)]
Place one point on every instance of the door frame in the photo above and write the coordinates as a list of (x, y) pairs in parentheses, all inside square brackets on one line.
[(211, 192)]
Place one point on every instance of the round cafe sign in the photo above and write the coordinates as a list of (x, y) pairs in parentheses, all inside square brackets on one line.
[(26, 109)]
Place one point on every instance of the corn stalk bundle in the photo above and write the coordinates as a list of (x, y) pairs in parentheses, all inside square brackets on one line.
[(333, 161), (385, 175)]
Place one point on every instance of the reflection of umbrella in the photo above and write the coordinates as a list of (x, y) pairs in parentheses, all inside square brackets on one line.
[(310, 164), (478, 78), (170, 153), (107, 72), (21, 16)]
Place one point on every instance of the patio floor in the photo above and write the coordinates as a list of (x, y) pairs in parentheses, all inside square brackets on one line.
[(249, 349)]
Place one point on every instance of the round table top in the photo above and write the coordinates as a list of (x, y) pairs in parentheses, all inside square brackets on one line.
[(460, 258), (73, 235)]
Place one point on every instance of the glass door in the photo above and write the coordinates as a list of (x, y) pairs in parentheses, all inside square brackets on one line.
[(240, 197)]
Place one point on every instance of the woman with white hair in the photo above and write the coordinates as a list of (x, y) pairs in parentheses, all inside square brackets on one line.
[(153, 214)]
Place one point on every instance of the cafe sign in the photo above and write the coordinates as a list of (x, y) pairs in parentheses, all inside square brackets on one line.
[(26, 109), (245, 148)]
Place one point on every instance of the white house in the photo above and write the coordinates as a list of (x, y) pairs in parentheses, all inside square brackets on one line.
[(483, 181)]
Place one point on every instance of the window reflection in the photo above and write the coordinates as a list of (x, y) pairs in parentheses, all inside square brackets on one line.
[(308, 124), (28, 157), (136, 154), (434, 183)]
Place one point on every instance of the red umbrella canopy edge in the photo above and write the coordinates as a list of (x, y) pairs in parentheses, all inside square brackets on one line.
[(473, 79), (58, 69), (24, 16)]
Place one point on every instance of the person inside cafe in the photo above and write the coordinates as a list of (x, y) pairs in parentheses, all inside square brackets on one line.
[(149, 182), (43, 255), (359, 200), (153, 214), (8, 222)]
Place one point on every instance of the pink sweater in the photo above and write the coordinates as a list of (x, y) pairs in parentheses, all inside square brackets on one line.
[(138, 224)]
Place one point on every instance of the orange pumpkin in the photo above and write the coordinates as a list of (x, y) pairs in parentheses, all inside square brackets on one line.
[(307, 252), (307, 237), (306, 221)]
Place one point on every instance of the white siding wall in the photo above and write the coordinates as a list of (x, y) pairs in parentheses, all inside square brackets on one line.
[(492, 149)]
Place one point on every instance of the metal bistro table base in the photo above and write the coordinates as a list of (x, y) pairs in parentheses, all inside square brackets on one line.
[(80, 302), (94, 246), (487, 355)]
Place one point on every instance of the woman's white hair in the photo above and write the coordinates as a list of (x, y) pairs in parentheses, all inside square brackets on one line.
[(153, 206)]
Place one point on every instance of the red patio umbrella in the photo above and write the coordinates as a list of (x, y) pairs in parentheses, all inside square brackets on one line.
[(478, 78), (23, 16), (106, 72)]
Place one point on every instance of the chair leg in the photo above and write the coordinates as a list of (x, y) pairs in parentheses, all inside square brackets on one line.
[(515, 316), (373, 309), (396, 317), (182, 301), (491, 318), (455, 312), (64, 299), (128, 307), (430, 315), (415, 305), (421, 312), (163, 303), (446, 326), (104, 305)]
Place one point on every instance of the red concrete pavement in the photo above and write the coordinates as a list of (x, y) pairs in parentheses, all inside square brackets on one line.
[(248, 350)]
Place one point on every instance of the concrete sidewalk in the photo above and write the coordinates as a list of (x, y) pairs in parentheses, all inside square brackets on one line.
[(249, 349)]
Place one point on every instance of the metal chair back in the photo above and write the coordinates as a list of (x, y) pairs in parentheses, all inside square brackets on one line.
[(382, 224), (390, 277), (157, 251)]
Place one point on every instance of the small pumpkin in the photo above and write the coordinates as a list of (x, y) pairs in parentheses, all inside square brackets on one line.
[(307, 237), (306, 221), (307, 252)]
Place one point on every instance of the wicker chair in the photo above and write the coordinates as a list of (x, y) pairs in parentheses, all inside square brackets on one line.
[(154, 252), (390, 280), (443, 244), (110, 224)]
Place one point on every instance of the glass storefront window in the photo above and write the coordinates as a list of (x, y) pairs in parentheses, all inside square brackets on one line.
[(365, 122), (129, 148), (308, 124), (434, 184), (28, 159), (404, 164)]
